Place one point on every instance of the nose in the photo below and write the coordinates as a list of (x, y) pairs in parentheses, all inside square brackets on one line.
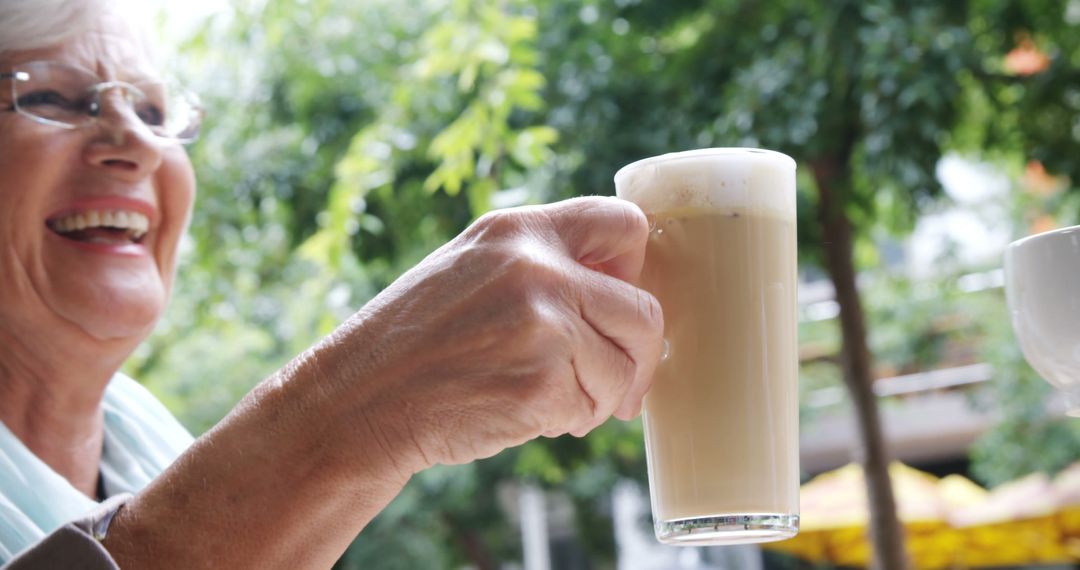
[(122, 143)]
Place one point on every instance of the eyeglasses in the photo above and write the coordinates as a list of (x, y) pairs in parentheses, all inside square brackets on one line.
[(70, 97)]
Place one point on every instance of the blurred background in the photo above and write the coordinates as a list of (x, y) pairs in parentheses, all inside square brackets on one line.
[(346, 140)]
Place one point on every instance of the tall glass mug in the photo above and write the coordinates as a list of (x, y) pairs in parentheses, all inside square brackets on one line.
[(722, 417)]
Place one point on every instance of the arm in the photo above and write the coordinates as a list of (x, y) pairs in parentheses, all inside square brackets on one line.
[(525, 325), (261, 490)]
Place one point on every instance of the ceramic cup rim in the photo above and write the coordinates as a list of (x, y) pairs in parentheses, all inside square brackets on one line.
[(1036, 239)]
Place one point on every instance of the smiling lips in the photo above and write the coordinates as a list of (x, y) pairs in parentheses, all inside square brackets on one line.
[(104, 227)]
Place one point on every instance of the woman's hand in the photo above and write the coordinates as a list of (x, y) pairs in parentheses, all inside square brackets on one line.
[(527, 324)]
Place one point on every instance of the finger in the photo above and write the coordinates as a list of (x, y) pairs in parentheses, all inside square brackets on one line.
[(631, 320), (631, 405), (603, 233), (604, 372)]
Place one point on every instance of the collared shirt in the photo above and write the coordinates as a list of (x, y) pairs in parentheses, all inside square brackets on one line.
[(40, 510)]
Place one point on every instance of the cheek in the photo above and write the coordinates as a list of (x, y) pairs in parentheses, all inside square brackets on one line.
[(175, 182), (31, 168)]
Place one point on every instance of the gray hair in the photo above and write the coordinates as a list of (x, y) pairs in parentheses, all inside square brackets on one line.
[(33, 24)]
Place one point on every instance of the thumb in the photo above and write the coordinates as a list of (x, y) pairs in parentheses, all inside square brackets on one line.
[(602, 233)]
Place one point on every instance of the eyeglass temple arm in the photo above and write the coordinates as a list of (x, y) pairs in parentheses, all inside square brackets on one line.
[(17, 75)]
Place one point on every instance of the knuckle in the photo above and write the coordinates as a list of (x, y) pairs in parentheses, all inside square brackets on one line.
[(536, 277), (497, 224), (522, 267), (538, 321), (534, 325)]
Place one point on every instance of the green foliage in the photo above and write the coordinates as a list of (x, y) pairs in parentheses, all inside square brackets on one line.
[(1038, 113), (1026, 439), (347, 140)]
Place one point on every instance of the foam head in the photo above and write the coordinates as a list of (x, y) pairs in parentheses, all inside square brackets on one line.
[(712, 178)]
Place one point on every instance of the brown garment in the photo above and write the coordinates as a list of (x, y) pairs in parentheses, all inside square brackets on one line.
[(74, 546)]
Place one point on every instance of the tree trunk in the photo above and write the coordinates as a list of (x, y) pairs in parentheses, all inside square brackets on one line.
[(886, 533)]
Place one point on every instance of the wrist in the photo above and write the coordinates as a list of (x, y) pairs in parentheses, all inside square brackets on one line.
[(342, 420), (275, 484)]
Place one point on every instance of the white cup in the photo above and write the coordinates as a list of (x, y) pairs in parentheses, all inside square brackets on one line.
[(1042, 286)]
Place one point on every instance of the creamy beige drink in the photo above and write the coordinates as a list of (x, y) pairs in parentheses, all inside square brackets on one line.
[(721, 421)]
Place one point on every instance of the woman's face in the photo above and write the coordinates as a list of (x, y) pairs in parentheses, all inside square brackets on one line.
[(95, 284)]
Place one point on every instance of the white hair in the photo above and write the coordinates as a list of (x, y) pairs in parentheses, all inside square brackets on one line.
[(33, 24)]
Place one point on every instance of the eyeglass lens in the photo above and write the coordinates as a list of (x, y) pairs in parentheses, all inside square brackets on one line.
[(72, 96)]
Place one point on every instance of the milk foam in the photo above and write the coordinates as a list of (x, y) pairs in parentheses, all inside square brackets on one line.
[(712, 178)]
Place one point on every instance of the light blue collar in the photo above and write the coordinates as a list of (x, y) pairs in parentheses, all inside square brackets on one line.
[(141, 439)]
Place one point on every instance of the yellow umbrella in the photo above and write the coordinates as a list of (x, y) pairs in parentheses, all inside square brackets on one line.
[(835, 517), (949, 523), (1067, 488), (959, 492), (1016, 524)]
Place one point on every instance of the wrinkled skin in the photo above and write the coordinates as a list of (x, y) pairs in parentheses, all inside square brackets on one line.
[(68, 316), (526, 325), (506, 333)]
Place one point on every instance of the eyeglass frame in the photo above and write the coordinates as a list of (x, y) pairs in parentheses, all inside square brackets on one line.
[(98, 89)]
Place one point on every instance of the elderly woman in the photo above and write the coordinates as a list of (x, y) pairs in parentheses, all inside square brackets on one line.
[(549, 336)]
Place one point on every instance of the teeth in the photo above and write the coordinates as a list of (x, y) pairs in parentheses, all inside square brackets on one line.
[(135, 223)]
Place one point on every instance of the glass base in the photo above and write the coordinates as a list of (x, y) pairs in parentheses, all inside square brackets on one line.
[(727, 529)]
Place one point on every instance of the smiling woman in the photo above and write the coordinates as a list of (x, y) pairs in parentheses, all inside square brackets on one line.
[(525, 325), (95, 203)]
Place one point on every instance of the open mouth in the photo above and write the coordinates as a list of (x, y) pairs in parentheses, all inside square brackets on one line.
[(106, 227)]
